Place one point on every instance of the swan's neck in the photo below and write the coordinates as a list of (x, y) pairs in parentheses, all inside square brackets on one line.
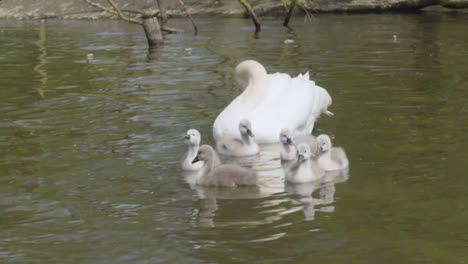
[(302, 165), (300, 171), (255, 79), (192, 151), (326, 155), (288, 152), (246, 139), (286, 147), (208, 166), (215, 160), (256, 90)]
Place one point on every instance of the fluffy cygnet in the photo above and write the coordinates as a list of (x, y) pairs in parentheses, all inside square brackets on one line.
[(289, 142), (221, 175), (192, 139), (245, 146), (330, 158), (305, 169)]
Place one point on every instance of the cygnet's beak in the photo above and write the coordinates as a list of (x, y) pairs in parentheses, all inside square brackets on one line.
[(289, 141), (300, 158), (187, 137), (195, 160), (249, 132)]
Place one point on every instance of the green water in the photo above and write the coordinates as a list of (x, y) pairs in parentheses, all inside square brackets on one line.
[(89, 150)]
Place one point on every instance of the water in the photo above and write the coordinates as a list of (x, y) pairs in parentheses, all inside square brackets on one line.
[(89, 150)]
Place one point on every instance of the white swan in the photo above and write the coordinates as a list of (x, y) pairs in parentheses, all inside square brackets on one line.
[(192, 139), (289, 142), (272, 102), (330, 158), (221, 175), (245, 146), (305, 169)]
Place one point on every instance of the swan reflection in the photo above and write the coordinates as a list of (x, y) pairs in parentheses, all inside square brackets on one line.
[(277, 199), (320, 194)]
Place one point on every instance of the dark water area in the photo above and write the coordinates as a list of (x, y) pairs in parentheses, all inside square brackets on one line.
[(90, 149)]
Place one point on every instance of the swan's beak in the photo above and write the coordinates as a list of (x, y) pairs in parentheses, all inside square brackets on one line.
[(289, 141), (249, 132), (300, 158), (187, 137), (195, 160)]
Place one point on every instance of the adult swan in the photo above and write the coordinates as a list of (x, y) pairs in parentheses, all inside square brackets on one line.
[(271, 102)]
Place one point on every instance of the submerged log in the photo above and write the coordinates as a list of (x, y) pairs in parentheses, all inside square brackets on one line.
[(152, 31)]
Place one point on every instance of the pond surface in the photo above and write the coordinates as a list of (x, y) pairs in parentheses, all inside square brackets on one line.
[(89, 149)]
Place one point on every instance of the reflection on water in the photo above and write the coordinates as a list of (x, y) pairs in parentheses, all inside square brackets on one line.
[(90, 149), (271, 182)]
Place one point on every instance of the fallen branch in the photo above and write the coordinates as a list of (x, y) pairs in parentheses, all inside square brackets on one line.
[(252, 14), (195, 29), (290, 12), (171, 30), (135, 12), (162, 8)]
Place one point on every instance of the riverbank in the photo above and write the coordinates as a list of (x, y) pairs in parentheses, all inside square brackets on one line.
[(68, 9)]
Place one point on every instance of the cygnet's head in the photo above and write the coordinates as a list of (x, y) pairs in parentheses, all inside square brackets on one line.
[(324, 144), (245, 128), (205, 152), (303, 152), (286, 137), (192, 137)]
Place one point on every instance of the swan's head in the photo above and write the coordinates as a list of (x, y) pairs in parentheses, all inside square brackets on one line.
[(324, 144), (303, 152), (205, 152), (245, 128), (248, 71), (192, 137), (286, 137)]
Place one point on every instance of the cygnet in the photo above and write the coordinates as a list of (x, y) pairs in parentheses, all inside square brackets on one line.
[(305, 169), (289, 142), (222, 175), (245, 146), (330, 158), (192, 139)]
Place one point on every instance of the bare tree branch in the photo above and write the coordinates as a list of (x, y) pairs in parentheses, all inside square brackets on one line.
[(103, 8), (195, 29), (290, 12), (252, 14), (121, 15), (116, 8), (308, 15), (162, 9), (144, 14), (116, 12)]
